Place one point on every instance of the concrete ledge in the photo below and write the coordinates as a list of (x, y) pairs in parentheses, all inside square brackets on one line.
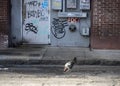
[(59, 62)]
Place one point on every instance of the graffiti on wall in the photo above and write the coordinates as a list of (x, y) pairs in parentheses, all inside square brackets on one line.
[(29, 27), (37, 14), (42, 3), (58, 27), (36, 21), (34, 3), (37, 9), (73, 20)]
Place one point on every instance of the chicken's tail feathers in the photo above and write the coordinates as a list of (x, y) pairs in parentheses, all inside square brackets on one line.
[(75, 59)]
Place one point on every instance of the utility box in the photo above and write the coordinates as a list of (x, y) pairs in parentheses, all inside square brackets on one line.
[(57, 4), (71, 4), (85, 31), (85, 4)]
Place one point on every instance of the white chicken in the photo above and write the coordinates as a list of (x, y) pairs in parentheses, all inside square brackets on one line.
[(69, 65)]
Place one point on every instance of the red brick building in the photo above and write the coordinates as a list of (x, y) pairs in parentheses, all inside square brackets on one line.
[(4, 22), (105, 31), (105, 23)]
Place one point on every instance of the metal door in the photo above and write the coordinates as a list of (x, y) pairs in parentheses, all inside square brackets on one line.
[(36, 24)]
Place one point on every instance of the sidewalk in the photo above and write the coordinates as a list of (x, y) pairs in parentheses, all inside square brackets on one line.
[(47, 55)]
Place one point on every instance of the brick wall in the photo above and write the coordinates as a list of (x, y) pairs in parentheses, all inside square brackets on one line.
[(4, 21), (105, 32)]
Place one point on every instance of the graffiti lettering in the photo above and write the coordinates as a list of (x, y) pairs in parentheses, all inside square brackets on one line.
[(74, 20), (30, 27), (35, 14), (37, 9), (45, 4), (34, 3), (38, 14), (58, 28)]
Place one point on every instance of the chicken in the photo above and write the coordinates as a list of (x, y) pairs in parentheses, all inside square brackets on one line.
[(69, 65)]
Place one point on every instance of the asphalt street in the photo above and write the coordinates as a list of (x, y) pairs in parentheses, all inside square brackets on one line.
[(44, 67), (52, 75)]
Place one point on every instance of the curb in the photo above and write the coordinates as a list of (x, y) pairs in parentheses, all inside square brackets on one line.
[(60, 62)]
